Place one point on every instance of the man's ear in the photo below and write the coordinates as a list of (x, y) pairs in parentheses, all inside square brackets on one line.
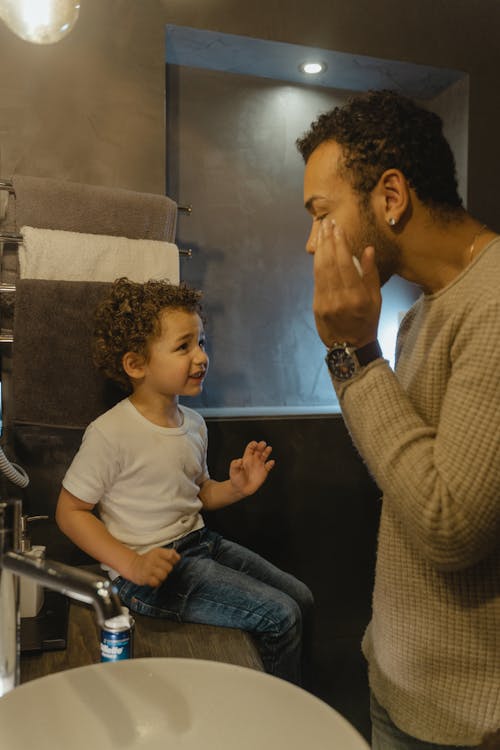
[(392, 196), (134, 365)]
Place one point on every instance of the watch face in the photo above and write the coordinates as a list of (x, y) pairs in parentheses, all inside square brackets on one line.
[(340, 363)]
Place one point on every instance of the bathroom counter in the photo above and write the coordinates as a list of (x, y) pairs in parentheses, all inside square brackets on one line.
[(152, 637)]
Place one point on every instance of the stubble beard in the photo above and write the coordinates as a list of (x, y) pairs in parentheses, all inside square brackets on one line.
[(387, 249)]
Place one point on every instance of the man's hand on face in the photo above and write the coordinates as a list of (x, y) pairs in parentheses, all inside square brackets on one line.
[(346, 302)]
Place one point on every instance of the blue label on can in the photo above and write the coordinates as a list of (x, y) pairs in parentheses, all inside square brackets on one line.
[(115, 645)]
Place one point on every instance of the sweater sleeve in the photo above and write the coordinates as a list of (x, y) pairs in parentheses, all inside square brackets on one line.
[(443, 480)]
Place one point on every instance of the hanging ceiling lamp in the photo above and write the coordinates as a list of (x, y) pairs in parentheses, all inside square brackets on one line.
[(40, 21)]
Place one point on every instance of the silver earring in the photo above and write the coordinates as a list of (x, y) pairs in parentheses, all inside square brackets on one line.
[(392, 221)]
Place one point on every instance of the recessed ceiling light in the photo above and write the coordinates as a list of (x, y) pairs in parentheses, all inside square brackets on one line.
[(312, 68)]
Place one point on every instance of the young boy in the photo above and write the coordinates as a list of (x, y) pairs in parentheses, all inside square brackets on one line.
[(144, 462)]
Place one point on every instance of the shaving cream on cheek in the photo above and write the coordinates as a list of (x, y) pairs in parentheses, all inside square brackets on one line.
[(357, 265)]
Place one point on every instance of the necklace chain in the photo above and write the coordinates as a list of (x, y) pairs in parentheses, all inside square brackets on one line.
[(473, 243)]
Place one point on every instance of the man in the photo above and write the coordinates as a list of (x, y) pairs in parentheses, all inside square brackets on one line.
[(380, 186)]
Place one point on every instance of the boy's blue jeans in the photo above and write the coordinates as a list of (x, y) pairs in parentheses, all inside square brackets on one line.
[(386, 735), (218, 582)]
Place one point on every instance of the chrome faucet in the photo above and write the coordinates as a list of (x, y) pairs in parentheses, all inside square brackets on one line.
[(75, 583)]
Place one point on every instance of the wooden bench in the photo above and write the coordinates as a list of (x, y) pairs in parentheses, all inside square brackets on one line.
[(152, 637)]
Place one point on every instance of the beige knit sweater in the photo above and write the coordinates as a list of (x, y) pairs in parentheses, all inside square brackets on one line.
[(430, 436)]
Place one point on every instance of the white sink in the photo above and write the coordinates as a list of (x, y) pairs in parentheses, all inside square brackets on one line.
[(183, 704)]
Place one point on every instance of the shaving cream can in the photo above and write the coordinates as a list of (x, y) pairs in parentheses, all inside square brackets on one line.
[(117, 637)]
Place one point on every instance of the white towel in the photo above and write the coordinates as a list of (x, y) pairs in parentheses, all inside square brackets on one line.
[(72, 256), (4, 202)]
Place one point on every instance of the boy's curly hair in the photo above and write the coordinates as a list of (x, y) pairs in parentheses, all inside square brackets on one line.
[(129, 317), (383, 130)]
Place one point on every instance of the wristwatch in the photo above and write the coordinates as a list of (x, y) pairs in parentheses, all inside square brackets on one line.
[(343, 361)]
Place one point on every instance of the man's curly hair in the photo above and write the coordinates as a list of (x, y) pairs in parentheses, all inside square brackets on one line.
[(129, 318), (383, 130)]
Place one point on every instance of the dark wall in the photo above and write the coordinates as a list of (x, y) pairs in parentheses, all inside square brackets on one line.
[(317, 517)]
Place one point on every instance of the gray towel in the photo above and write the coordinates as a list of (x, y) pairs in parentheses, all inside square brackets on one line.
[(54, 381), (46, 203)]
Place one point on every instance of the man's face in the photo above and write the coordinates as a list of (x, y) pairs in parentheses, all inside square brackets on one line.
[(329, 195)]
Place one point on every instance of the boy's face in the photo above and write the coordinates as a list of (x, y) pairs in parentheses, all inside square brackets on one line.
[(177, 362)]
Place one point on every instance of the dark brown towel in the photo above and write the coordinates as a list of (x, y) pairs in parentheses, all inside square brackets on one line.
[(46, 203), (54, 381)]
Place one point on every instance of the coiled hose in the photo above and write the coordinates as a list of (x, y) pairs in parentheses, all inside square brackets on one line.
[(13, 472)]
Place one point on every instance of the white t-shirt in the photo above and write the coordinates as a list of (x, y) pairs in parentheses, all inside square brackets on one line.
[(146, 478)]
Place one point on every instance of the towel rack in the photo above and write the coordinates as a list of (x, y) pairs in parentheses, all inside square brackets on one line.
[(9, 186), (17, 239)]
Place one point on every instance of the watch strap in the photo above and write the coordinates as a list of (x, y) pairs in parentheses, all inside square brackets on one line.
[(367, 353)]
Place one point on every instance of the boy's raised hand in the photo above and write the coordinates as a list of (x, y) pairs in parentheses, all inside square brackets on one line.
[(250, 471)]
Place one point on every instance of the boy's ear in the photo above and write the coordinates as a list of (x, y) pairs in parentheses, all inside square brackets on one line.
[(134, 364)]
